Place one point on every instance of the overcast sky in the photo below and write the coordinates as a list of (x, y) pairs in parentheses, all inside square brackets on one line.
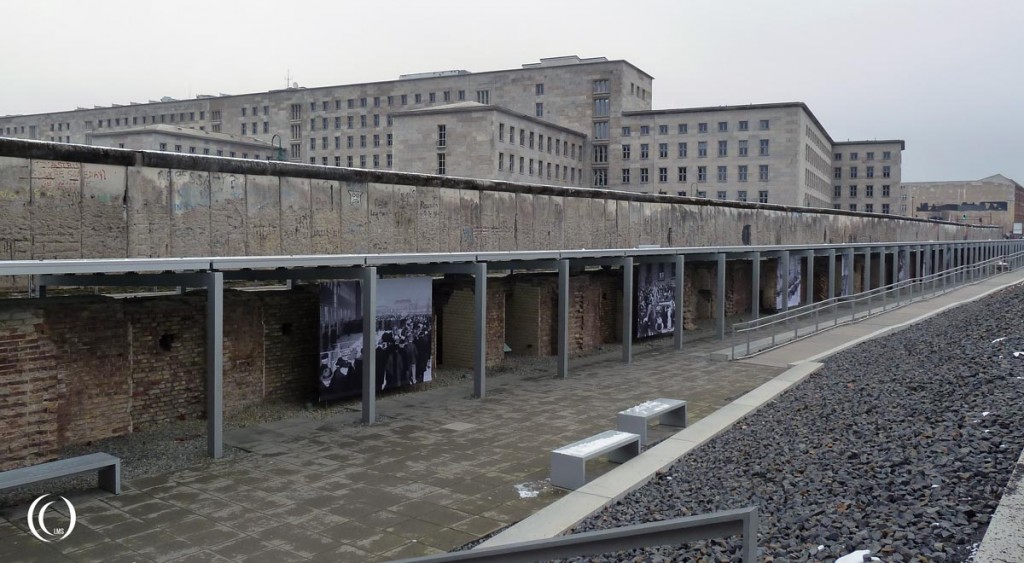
[(946, 76)]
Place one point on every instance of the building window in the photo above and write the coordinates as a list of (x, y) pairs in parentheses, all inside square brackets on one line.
[(870, 156), (744, 126), (702, 149), (501, 132), (362, 141), (243, 129), (723, 148), (762, 196), (741, 172), (702, 127), (853, 156), (723, 126), (886, 155), (177, 148), (853, 191), (163, 146), (837, 173), (389, 140), (763, 124), (539, 89), (741, 195), (432, 96), (625, 152), (869, 191), (602, 86), (531, 139), (663, 175), (885, 208), (764, 147), (870, 171), (362, 121), (722, 195), (531, 167), (762, 172), (853, 207), (362, 161), (600, 154), (886, 172), (600, 177), (626, 131), (742, 148), (837, 191), (645, 130), (644, 151), (702, 193), (441, 136), (853, 172), (663, 129), (837, 206), (682, 150), (662, 150), (702, 173), (625, 175), (644, 176), (885, 191), (483, 97), (312, 143), (683, 128), (681, 174), (522, 137), (600, 130), (349, 161), (243, 111), (441, 168), (323, 143), (869, 208), (722, 174), (539, 109), (602, 107)]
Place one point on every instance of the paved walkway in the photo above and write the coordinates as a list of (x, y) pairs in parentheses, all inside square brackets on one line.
[(441, 470)]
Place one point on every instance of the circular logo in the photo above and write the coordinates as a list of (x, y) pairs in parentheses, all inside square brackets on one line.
[(37, 521)]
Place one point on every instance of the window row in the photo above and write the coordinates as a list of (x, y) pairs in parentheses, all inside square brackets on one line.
[(182, 117), (351, 142), (537, 141), (526, 167), (886, 155), (723, 195), (207, 151), (482, 96), (683, 151), (853, 171), (349, 160), (346, 122), (682, 174), (702, 127), (868, 207), (869, 191)]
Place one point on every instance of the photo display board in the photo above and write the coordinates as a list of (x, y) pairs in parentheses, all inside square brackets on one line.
[(404, 336), (788, 285), (655, 299)]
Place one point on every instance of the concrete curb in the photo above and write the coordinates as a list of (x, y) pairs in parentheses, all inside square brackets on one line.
[(560, 516), (1004, 538)]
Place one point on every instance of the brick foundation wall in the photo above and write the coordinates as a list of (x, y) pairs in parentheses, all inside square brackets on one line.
[(457, 311)]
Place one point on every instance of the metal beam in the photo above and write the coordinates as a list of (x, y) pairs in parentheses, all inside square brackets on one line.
[(563, 318), (369, 287), (677, 336), (215, 364), (480, 330), (627, 309), (169, 279), (810, 278), (784, 266), (831, 274), (755, 286), (720, 302)]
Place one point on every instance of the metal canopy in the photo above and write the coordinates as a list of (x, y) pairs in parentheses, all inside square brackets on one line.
[(212, 272)]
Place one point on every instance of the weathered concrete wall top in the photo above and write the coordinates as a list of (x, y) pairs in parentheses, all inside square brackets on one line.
[(68, 201)]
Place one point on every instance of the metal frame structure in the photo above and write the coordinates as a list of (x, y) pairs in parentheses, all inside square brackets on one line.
[(212, 272)]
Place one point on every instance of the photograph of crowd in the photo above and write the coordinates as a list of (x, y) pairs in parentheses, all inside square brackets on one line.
[(844, 285), (404, 347), (655, 299), (790, 289)]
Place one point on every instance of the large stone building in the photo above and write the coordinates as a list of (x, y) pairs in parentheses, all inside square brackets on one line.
[(564, 121), (995, 200)]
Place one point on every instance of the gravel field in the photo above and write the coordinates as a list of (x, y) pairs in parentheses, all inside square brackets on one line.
[(901, 445)]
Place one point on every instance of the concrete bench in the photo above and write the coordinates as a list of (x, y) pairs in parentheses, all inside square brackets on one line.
[(569, 463), (670, 412), (109, 468)]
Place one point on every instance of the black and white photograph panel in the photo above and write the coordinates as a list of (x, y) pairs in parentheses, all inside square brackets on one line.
[(788, 284), (655, 299)]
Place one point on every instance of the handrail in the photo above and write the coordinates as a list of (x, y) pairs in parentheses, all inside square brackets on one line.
[(740, 521), (960, 275)]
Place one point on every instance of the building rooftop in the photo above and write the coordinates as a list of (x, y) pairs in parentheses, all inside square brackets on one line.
[(175, 131), (469, 107)]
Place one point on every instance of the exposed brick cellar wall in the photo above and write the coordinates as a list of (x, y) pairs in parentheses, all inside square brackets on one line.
[(457, 312), (290, 328)]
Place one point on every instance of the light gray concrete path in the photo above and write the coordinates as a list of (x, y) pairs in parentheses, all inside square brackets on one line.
[(1004, 539)]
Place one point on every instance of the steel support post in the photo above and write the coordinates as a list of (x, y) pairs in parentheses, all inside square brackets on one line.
[(883, 269), (680, 262), (369, 289), (563, 318), (480, 329), (831, 274), (784, 290), (755, 286), (627, 309), (810, 278), (920, 267), (215, 364), (720, 301), (867, 274)]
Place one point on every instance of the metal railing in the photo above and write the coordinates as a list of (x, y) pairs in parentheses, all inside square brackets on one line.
[(775, 330), (741, 521)]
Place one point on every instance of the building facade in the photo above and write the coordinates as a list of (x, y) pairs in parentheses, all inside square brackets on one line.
[(184, 140), (995, 200), (772, 153), (866, 177)]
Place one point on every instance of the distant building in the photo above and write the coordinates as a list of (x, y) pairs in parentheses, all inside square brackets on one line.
[(594, 116), (995, 200), (184, 140)]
